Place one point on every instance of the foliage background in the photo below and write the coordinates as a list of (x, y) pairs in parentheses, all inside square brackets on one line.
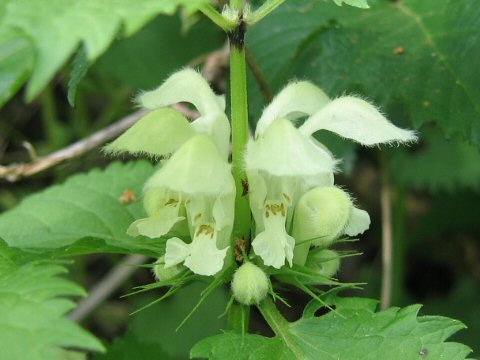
[(414, 58)]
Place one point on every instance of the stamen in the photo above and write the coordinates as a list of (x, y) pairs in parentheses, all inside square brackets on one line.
[(206, 229), (173, 202)]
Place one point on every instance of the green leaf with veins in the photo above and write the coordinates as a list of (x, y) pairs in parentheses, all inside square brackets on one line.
[(420, 54), (84, 214), (32, 299), (49, 31), (437, 164), (353, 332)]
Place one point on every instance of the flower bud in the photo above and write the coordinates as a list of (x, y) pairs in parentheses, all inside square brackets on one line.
[(321, 214), (249, 284), (164, 274), (325, 262)]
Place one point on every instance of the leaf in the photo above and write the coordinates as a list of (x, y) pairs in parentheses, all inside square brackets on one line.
[(353, 332), (163, 48), (85, 213), (79, 70), (437, 164), (54, 29), (16, 62), (32, 299), (418, 54), (238, 347)]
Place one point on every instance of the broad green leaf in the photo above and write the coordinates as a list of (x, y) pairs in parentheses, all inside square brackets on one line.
[(437, 164), (238, 347), (33, 303), (85, 213), (16, 62), (54, 30), (353, 332), (416, 54)]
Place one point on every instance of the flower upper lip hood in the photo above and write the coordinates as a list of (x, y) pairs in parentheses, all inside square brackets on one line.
[(164, 130), (283, 162), (189, 86)]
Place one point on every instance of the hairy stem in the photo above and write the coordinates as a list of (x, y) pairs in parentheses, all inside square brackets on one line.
[(238, 318), (279, 325), (217, 18), (239, 115), (239, 315), (237, 4)]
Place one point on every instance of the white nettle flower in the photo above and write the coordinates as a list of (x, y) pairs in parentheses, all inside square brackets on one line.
[(195, 185), (194, 189), (284, 162), (163, 130), (189, 86)]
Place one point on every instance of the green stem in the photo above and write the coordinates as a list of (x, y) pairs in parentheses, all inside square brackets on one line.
[(239, 115), (279, 325), (217, 18), (238, 318), (238, 314), (399, 245), (56, 134), (267, 7), (387, 233), (237, 4)]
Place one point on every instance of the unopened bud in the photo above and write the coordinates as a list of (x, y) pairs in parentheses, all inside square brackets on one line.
[(164, 274), (321, 215), (249, 284), (325, 262)]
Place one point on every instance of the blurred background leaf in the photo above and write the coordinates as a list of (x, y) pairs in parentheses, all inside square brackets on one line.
[(44, 43), (96, 207), (151, 331), (417, 53), (33, 301)]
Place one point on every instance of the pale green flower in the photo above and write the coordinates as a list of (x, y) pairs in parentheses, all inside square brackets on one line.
[(283, 162), (194, 186), (163, 130), (189, 86), (193, 194)]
